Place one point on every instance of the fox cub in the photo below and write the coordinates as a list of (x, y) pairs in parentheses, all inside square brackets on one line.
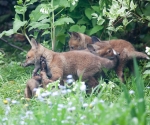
[(60, 65)]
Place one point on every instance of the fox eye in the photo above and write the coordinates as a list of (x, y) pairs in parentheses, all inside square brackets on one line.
[(28, 57)]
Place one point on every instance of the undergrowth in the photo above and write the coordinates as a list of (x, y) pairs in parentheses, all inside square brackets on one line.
[(115, 104)]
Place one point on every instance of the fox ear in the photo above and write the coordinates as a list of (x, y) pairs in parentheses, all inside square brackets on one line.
[(92, 47), (95, 39), (75, 35), (34, 44)]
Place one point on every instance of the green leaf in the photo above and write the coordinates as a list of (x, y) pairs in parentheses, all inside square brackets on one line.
[(149, 24), (148, 65), (147, 72), (38, 25), (62, 21), (46, 32), (95, 29), (31, 2), (62, 3), (20, 9), (100, 21), (96, 9), (36, 15), (132, 5), (18, 24), (88, 13), (7, 33), (125, 22), (77, 28)]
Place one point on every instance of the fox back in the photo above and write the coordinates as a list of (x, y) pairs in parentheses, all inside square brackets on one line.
[(77, 63)]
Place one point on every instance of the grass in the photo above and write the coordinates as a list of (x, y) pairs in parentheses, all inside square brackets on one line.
[(113, 105)]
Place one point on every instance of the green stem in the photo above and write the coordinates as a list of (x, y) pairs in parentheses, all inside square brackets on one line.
[(59, 12), (53, 29)]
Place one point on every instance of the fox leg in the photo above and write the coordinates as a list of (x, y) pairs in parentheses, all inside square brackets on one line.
[(91, 83), (31, 84), (37, 67)]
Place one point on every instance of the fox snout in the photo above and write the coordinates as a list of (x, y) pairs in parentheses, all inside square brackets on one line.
[(26, 63)]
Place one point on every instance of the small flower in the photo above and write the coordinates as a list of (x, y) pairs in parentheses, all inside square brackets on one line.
[(26, 105), (131, 92), (83, 86), (8, 99), (82, 117), (44, 10), (147, 50), (73, 3), (148, 87), (85, 105), (14, 102), (4, 119), (18, 91), (94, 15), (71, 109), (22, 123), (5, 101), (56, 93), (69, 77)]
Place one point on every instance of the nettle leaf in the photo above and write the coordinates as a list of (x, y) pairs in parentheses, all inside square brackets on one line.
[(100, 20), (7, 33), (20, 9), (38, 25), (149, 24), (132, 5), (125, 22), (62, 21), (95, 29), (62, 3), (111, 28), (18, 24), (77, 28), (36, 15), (46, 32), (96, 8), (31, 2), (147, 72), (88, 13), (148, 65)]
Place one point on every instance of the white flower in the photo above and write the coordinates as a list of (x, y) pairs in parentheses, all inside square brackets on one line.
[(73, 3), (85, 105), (38, 91), (94, 15), (147, 50), (135, 120), (82, 117), (44, 10), (71, 109), (131, 92), (14, 102), (83, 86), (69, 77), (56, 93)]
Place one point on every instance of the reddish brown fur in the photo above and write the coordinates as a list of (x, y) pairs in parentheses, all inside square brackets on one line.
[(32, 84), (79, 41), (76, 63), (124, 48)]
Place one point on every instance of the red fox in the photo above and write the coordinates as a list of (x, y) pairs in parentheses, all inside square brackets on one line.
[(124, 48), (79, 41), (32, 84), (76, 63), (104, 48)]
